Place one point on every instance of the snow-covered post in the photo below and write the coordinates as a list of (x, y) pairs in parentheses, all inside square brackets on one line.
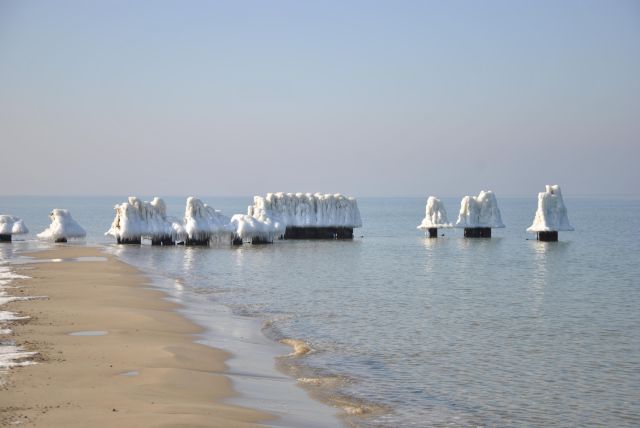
[(11, 225), (136, 219), (551, 215), (204, 225), (479, 214), (435, 217), (62, 227)]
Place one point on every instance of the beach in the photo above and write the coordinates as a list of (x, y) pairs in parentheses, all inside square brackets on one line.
[(111, 352)]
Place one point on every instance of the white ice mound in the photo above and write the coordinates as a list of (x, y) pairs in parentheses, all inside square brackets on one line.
[(62, 226), (307, 210), (137, 218), (12, 225), (435, 215), (249, 228), (551, 214), (480, 211), (202, 222)]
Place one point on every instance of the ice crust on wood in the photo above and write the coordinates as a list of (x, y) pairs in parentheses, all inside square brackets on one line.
[(249, 228), (137, 218), (12, 225), (479, 211), (62, 226), (307, 210), (551, 215), (435, 215), (202, 222)]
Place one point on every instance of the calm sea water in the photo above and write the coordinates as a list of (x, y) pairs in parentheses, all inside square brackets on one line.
[(505, 331)]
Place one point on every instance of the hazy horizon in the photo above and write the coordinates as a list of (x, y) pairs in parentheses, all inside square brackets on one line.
[(364, 98)]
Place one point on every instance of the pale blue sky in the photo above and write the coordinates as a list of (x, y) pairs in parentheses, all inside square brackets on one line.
[(390, 98)]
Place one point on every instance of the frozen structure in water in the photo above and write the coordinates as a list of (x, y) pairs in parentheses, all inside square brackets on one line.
[(435, 217), (479, 214), (138, 219), (204, 225), (62, 227), (551, 216), (308, 216), (11, 225), (256, 231)]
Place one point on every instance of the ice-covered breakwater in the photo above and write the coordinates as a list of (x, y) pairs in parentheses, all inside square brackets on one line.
[(11, 225), (435, 217), (551, 215), (479, 214), (307, 215), (62, 228), (136, 219)]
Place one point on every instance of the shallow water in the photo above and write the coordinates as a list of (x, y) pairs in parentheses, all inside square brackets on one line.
[(427, 332)]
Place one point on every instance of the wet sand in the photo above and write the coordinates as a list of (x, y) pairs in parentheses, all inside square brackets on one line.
[(131, 363)]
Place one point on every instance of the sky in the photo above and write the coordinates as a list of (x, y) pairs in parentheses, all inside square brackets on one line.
[(366, 98)]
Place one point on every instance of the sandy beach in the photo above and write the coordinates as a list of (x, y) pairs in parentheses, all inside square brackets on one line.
[(139, 367)]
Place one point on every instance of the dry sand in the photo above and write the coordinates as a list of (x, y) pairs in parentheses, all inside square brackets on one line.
[(79, 381)]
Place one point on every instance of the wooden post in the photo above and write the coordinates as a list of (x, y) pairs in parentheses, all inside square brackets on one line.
[(477, 232), (162, 240), (433, 232), (236, 240), (5, 238), (196, 242), (61, 240), (128, 241), (259, 241), (548, 236)]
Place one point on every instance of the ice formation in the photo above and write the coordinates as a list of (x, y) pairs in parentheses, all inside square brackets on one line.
[(307, 210), (249, 228), (551, 214), (62, 226), (480, 211), (435, 215), (204, 223), (135, 219), (12, 225)]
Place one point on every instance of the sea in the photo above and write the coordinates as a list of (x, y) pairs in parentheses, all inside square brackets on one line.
[(394, 329)]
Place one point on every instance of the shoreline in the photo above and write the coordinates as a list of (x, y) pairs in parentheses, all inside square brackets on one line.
[(112, 351)]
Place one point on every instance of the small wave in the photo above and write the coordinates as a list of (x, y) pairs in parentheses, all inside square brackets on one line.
[(300, 347)]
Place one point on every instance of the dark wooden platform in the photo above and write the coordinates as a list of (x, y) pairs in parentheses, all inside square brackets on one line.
[(433, 232), (293, 232), (5, 238)]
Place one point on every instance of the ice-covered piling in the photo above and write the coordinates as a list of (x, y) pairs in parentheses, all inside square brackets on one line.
[(551, 215), (307, 215), (435, 217), (479, 214), (11, 225), (253, 230), (204, 225), (138, 219), (62, 228)]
